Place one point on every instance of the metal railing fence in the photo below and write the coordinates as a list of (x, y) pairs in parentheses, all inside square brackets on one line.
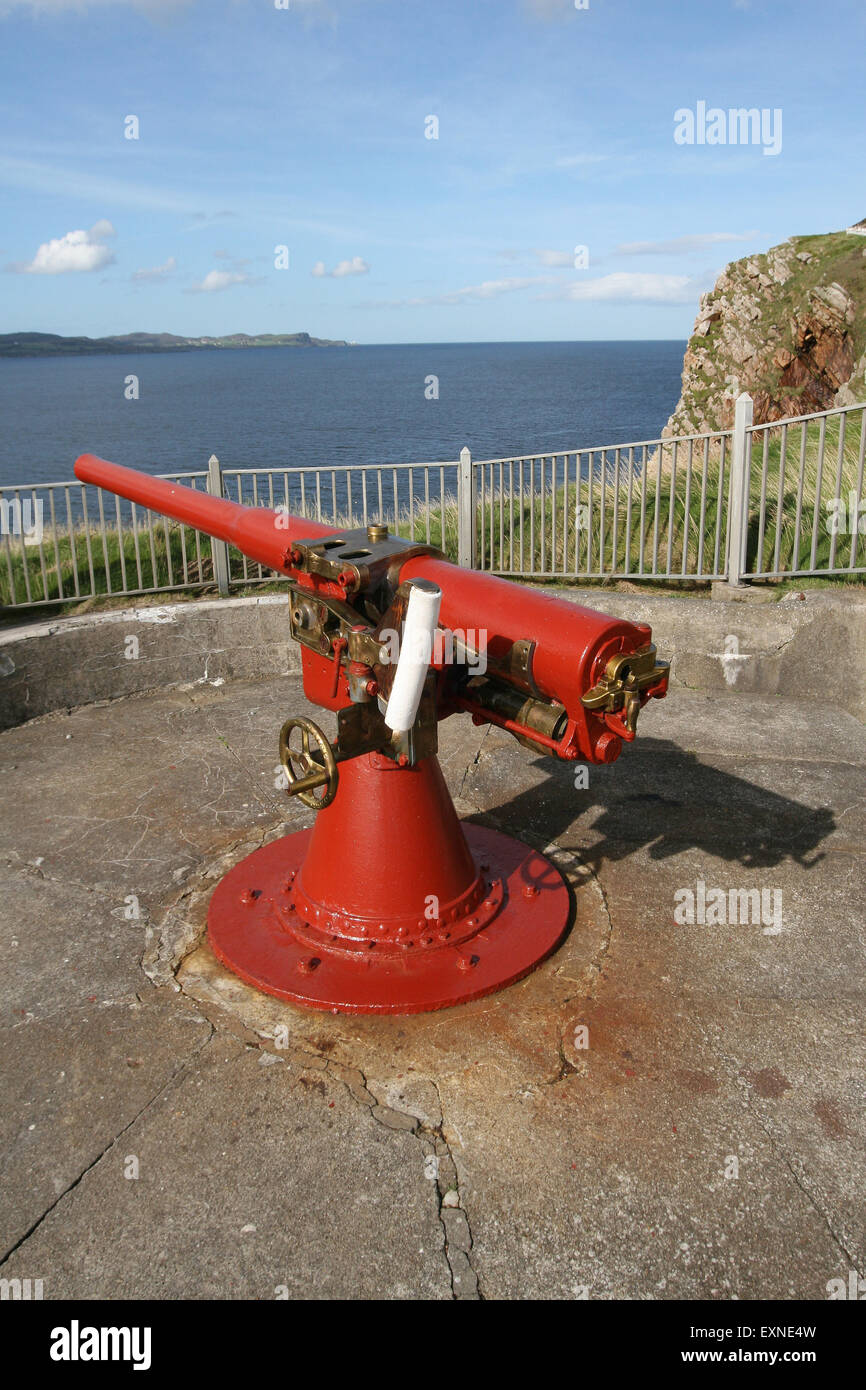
[(68, 541), (753, 502), (415, 500), (803, 512), (653, 508)]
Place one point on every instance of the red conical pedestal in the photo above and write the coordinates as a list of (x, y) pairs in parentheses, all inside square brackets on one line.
[(389, 904)]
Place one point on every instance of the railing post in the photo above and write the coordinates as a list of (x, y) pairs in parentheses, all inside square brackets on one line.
[(738, 497), (219, 549), (466, 510)]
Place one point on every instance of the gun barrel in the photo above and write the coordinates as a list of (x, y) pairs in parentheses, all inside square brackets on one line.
[(545, 646), (264, 535)]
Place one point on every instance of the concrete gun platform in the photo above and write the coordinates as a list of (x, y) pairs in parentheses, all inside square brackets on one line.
[(169, 1133)]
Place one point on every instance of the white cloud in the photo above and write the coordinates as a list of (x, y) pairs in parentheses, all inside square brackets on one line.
[(491, 289), (356, 266), (221, 280), (102, 230), (680, 245), (76, 251), (156, 272), (488, 289), (235, 262), (625, 287)]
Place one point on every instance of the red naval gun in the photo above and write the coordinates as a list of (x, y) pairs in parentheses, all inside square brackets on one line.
[(389, 903)]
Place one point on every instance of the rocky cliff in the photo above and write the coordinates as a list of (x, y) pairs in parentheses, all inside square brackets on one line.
[(789, 327)]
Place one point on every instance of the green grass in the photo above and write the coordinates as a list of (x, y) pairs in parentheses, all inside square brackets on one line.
[(840, 474), (98, 566), (552, 541), (627, 540)]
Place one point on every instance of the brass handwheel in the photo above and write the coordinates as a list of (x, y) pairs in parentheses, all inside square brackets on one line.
[(305, 768)]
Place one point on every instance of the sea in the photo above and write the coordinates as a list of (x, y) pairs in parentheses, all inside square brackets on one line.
[(303, 407)]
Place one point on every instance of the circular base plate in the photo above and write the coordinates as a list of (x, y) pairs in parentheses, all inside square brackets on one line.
[(246, 932)]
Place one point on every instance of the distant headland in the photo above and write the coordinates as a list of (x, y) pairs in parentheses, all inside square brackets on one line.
[(53, 345)]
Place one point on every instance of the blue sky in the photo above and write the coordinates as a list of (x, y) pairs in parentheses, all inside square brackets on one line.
[(306, 127)]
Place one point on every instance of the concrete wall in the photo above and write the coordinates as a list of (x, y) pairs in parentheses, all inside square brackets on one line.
[(74, 661), (814, 648)]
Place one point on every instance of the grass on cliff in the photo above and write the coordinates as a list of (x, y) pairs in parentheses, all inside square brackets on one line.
[(840, 257), (835, 257)]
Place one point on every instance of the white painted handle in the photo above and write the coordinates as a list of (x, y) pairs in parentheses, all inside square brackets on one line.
[(422, 614)]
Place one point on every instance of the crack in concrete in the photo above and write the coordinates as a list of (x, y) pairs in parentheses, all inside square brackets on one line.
[(801, 1183), (454, 1220), (573, 865), (451, 1213), (176, 1075), (439, 1167), (473, 762), (771, 651), (168, 955)]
